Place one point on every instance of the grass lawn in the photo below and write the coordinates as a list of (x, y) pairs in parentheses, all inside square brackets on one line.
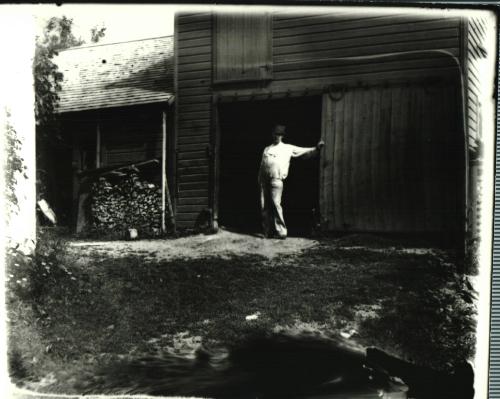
[(411, 304)]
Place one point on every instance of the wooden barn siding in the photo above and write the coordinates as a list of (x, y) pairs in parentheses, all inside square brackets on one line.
[(402, 132), (303, 48), (474, 36), (193, 98)]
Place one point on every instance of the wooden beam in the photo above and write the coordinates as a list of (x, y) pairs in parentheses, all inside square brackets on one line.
[(163, 170), (215, 166), (109, 169), (166, 203)]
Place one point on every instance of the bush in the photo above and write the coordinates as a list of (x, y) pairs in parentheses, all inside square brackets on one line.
[(30, 276), (30, 280)]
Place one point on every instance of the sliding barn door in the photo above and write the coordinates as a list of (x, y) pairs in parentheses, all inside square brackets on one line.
[(393, 159)]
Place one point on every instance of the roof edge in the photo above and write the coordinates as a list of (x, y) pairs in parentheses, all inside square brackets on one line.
[(169, 99), (114, 43)]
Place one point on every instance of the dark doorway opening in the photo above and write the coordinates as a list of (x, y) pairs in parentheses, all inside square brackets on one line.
[(245, 129)]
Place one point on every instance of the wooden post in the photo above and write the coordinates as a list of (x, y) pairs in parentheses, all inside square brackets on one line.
[(163, 169), (215, 172), (77, 166), (166, 203), (98, 146)]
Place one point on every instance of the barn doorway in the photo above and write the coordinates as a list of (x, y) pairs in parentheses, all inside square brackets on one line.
[(245, 130)]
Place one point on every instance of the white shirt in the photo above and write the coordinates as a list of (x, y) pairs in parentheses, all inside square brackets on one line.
[(276, 159)]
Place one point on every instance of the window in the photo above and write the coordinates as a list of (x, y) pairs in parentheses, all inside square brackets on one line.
[(242, 47)]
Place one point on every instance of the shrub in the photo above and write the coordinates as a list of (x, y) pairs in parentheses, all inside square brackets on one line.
[(30, 276)]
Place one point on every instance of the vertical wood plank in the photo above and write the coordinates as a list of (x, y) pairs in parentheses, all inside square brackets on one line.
[(458, 130), (216, 164), (346, 207), (338, 156), (385, 165), (393, 211), (375, 160), (427, 122), (440, 190), (355, 151), (330, 157), (399, 165), (403, 159), (445, 152), (163, 169), (324, 169), (417, 158), (364, 161)]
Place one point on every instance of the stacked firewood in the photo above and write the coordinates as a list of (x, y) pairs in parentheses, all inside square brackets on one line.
[(127, 203)]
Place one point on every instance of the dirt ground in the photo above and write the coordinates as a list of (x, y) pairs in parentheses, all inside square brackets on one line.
[(224, 244)]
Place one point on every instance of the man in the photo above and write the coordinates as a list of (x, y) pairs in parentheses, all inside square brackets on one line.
[(273, 170)]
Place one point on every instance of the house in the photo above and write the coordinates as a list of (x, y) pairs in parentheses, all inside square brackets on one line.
[(116, 109), (394, 95)]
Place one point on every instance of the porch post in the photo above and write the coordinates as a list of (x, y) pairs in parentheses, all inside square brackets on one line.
[(163, 168), (215, 167)]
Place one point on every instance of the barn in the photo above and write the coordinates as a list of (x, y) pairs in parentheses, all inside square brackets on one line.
[(394, 95), (115, 110)]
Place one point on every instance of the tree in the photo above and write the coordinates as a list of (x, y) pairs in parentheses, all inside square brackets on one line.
[(97, 34), (57, 36)]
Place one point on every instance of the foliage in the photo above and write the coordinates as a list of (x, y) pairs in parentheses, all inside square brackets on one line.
[(47, 84), (13, 167), (57, 36), (30, 276), (97, 34)]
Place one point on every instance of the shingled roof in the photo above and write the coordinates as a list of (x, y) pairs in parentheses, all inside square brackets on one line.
[(115, 75)]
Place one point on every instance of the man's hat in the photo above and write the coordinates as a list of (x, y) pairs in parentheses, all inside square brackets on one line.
[(279, 130)]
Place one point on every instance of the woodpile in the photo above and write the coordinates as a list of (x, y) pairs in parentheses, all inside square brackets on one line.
[(123, 204)]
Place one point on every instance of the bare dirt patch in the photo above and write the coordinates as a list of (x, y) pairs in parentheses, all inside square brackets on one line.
[(225, 244)]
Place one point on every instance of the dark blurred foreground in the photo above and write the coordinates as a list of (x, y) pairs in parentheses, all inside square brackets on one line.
[(280, 365)]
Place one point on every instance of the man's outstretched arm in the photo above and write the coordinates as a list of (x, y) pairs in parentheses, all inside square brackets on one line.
[(309, 151)]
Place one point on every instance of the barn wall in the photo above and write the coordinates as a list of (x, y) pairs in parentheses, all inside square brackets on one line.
[(305, 48), (306, 51), (193, 101), (475, 31), (474, 36)]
